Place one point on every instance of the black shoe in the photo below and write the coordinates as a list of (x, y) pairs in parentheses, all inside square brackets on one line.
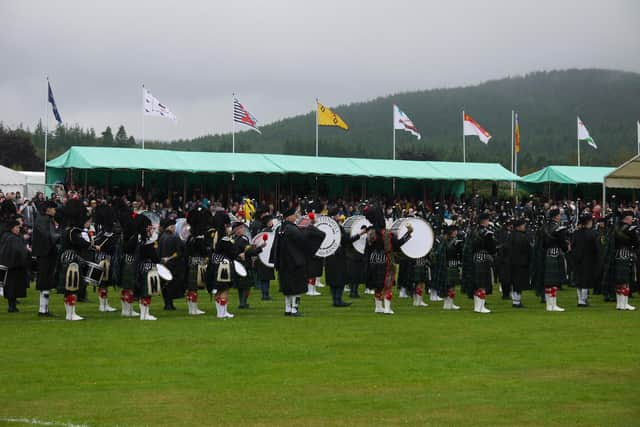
[(167, 307), (267, 298), (517, 305), (287, 314), (47, 314), (583, 305), (243, 306), (13, 310), (297, 314), (341, 304), (85, 299)]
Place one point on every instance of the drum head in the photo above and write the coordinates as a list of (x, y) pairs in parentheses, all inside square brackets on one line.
[(331, 241), (266, 250), (421, 240), (183, 229), (164, 272), (240, 270), (353, 225)]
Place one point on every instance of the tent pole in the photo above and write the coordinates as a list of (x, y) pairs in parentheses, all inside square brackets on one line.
[(85, 183), (184, 189)]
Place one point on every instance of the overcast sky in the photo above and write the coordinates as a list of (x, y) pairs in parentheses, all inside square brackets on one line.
[(279, 55)]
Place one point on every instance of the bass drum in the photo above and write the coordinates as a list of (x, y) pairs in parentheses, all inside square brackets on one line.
[(332, 233), (352, 226), (421, 240), (263, 256)]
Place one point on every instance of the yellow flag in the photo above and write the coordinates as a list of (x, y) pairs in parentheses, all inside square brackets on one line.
[(326, 117)]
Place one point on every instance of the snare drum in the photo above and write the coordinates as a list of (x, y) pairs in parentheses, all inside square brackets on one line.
[(91, 273), (240, 270), (164, 273)]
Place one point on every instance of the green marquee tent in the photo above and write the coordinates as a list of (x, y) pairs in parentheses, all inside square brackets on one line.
[(132, 159), (569, 175)]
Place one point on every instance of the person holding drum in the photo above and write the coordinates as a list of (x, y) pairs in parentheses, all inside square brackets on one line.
[(244, 252), (75, 245), (15, 256), (44, 248), (221, 269), (336, 264), (264, 273), (380, 267)]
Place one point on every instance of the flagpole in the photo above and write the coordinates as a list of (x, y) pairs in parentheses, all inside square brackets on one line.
[(233, 128), (46, 131), (394, 148), (316, 127), (143, 99), (578, 138), (638, 124), (464, 151), (512, 151)]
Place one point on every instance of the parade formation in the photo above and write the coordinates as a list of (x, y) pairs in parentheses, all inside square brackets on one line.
[(421, 249)]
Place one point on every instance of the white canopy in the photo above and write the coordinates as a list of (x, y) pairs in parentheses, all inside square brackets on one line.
[(12, 181)]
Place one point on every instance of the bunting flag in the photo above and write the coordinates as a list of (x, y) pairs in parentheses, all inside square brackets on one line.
[(54, 107), (516, 133), (471, 127), (152, 107), (326, 117), (243, 116), (402, 122), (583, 134)]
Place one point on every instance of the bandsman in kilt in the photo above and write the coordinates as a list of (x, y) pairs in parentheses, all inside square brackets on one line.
[(106, 242), (244, 253), (45, 249), (337, 264), (126, 268), (171, 250), (549, 260), (264, 273), (421, 280), (75, 245), (518, 255), (380, 270), (445, 271), (148, 282), (199, 246), (405, 277), (221, 272), (620, 258), (477, 265), (584, 255)]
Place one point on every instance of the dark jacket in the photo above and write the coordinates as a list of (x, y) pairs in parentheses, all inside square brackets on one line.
[(44, 237)]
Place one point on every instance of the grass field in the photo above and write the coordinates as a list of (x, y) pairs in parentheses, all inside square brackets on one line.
[(422, 366)]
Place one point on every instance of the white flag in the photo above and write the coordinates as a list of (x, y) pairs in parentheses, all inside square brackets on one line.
[(471, 127), (583, 134), (402, 122), (152, 107)]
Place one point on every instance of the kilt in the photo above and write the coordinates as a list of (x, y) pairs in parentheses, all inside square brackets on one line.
[(453, 276), (355, 269), (421, 273), (405, 274), (483, 271), (555, 272), (127, 277), (192, 275), (624, 271), (375, 278), (520, 278)]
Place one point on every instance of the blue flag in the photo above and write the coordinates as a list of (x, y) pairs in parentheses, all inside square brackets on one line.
[(56, 114)]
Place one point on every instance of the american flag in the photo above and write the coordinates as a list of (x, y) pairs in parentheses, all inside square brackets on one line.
[(243, 116)]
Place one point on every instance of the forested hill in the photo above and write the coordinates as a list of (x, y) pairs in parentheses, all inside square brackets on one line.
[(607, 101)]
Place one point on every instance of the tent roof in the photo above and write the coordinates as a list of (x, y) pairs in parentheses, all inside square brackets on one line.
[(569, 175), (10, 177), (626, 175), (210, 162)]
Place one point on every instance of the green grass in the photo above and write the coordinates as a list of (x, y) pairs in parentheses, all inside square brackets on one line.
[(333, 367)]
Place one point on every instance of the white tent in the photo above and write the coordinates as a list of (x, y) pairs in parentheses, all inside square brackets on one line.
[(626, 175), (12, 181)]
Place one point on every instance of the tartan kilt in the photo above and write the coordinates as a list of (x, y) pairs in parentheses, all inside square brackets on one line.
[(421, 274), (483, 275), (555, 272), (453, 274), (623, 271), (127, 275)]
